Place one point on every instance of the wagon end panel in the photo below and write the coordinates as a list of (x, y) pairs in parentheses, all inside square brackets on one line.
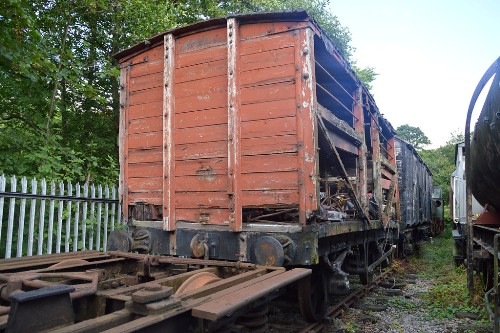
[(220, 122), (141, 135)]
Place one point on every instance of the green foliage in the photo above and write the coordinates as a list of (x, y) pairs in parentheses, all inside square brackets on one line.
[(413, 135), (367, 75), (441, 162), (449, 293)]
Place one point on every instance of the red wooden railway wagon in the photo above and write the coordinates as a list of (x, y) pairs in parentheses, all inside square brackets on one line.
[(250, 138), (243, 140)]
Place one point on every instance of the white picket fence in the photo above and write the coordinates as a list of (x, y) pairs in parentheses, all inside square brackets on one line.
[(62, 217)]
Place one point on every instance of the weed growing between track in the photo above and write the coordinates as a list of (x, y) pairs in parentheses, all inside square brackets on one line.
[(448, 294)]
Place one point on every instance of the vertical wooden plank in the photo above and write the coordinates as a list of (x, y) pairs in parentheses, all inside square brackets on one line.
[(359, 127), (99, 220), (76, 224), (123, 137), (31, 231), (84, 215), (392, 152), (22, 214), (307, 135), (60, 218), (41, 220), (50, 230), (106, 212), (10, 220), (68, 219), (168, 137), (113, 208), (3, 180), (92, 218), (377, 184), (233, 126)]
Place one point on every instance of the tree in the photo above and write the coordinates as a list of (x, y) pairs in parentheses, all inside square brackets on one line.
[(367, 75), (413, 135), (441, 162)]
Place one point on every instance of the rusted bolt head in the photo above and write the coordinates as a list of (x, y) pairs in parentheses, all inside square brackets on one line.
[(153, 287)]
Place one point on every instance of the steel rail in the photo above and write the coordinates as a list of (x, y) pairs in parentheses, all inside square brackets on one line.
[(346, 303)]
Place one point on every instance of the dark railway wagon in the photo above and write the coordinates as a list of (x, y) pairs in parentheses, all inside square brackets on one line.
[(482, 157), (415, 193)]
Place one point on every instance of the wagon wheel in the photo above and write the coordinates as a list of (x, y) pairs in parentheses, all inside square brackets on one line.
[(312, 296)]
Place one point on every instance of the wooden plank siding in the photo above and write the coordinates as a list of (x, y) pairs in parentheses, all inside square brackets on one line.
[(224, 125), (144, 160)]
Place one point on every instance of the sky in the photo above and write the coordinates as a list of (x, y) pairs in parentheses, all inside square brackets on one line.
[(429, 55)]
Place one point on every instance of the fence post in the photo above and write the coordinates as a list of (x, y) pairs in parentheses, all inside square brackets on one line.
[(59, 218), (77, 220), (10, 221), (68, 219), (31, 232), (22, 214), (41, 223), (2, 189), (99, 220), (51, 217), (92, 217), (84, 217)]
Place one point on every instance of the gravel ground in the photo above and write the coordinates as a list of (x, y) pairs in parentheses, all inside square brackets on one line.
[(403, 314)]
